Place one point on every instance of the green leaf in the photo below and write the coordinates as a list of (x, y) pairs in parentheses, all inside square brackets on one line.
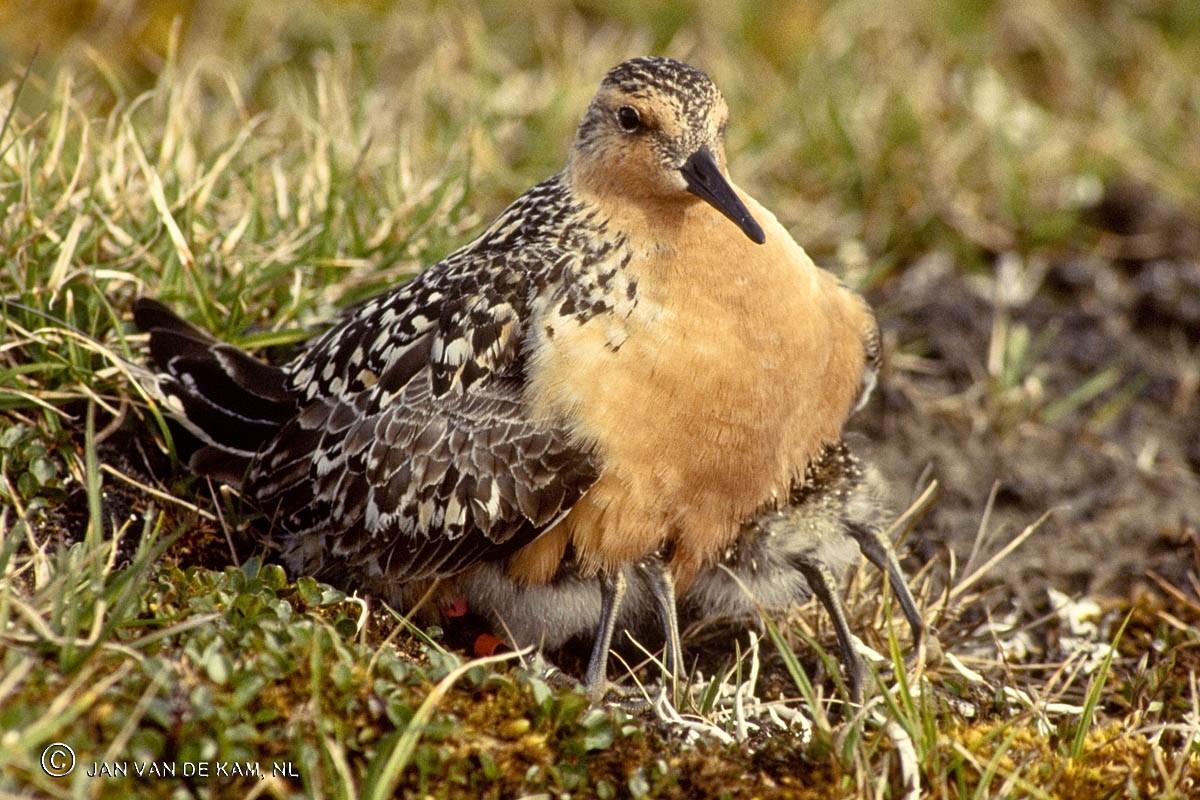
[(219, 667), (600, 733)]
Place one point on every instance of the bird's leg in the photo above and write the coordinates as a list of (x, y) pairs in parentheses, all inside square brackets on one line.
[(612, 592), (879, 552), (662, 587), (824, 586)]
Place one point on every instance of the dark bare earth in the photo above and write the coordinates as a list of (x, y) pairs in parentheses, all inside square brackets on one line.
[(1119, 472)]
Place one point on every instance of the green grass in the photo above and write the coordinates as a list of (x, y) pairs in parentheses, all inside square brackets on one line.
[(259, 168)]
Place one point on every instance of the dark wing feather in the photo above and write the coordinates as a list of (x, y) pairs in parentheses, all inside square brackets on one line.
[(231, 400)]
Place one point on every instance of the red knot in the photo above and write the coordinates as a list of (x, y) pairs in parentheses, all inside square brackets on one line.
[(633, 359)]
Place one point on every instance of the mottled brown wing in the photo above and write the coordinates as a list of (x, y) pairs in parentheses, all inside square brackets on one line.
[(413, 454), (412, 491)]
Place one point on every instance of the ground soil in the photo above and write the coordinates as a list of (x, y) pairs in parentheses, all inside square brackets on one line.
[(1119, 475)]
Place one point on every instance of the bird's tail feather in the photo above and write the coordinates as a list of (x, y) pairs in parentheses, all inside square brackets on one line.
[(230, 400)]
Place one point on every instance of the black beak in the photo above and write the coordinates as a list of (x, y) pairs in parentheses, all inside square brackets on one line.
[(704, 179)]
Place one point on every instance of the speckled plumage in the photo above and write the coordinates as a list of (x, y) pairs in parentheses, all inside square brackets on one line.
[(426, 458), (634, 358)]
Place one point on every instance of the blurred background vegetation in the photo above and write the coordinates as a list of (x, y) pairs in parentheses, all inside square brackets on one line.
[(983, 127)]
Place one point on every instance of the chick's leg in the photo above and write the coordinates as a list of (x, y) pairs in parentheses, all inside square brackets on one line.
[(879, 552), (824, 586)]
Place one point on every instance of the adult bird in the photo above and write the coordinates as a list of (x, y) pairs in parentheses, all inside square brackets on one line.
[(633, 358)]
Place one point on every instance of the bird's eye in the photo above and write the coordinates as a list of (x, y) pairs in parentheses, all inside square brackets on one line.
[(628, 118)]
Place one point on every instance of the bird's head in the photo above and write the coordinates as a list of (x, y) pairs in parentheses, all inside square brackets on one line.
[(655, 131)]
